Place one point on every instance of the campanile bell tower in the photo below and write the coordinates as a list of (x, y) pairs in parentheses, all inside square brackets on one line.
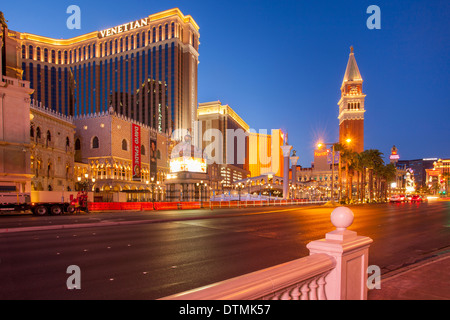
[(351, 106)]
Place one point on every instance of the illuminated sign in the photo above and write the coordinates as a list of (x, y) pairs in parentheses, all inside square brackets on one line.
[(394, 157), (124, 28), (433, 173), (136, 150), (321, 154), (188, 164)]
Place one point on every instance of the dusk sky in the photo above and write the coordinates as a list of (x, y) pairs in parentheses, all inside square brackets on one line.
[(280, 64)]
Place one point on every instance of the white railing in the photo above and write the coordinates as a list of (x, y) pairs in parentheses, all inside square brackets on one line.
[(335, 270)]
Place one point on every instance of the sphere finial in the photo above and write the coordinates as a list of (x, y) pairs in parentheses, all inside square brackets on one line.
[(342, 218)]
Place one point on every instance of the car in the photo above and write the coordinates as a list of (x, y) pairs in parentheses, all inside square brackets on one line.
[(395, 198), (402, 197), (408, 197), (416, 198)]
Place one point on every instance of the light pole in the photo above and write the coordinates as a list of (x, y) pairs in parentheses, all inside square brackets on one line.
[(320, 145), (200, 189), (153, 189), (269, 186), (239, 186)]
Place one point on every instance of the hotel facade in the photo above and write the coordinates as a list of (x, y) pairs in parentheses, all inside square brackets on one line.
[(145, 70)]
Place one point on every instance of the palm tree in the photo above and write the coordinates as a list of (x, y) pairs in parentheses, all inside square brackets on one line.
[(372, 161), (363, 164), (346, 158), (353, 158), (446, 176), (390, 172), (342, 149)]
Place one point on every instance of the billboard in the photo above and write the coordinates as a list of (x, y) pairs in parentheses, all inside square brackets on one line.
[(188, 164), (136, 151)]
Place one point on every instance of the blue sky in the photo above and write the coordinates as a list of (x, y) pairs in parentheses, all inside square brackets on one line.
[(280, 64)]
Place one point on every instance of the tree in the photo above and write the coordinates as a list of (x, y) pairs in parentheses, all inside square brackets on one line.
[(372, 161), (388, 173)]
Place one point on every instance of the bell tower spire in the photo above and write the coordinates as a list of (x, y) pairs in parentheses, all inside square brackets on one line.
[(351, 106)]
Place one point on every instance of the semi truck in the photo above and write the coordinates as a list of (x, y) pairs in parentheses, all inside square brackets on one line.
[(21, 202)]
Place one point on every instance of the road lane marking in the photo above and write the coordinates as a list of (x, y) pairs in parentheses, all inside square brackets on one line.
[(106, 223)]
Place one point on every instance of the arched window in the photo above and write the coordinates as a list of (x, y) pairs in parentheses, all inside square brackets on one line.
[(78, 144), (142, 150), (31, 131), (49, 136), (49, 170), (158, 154), (38, 133), (124, 145), (95, 143)]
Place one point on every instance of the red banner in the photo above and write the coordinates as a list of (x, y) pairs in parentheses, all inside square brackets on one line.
[(136, 151)]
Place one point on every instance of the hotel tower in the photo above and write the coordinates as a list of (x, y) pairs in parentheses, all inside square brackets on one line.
[(146, 70), (351, 106)]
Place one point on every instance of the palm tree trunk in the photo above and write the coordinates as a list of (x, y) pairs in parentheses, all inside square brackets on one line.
[(358, 186), (350, 193)]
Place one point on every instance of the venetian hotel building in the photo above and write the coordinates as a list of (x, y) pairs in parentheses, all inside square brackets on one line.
[(145, 70)]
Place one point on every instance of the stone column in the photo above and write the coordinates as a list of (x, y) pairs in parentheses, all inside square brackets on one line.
[(286, 154), (348, 280)]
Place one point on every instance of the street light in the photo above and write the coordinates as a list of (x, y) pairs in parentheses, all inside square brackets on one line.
[(239, 187), (269, 186), (320, 145), (153, 189)]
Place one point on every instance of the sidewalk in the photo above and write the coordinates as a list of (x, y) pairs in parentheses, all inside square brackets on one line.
[(426, 280)]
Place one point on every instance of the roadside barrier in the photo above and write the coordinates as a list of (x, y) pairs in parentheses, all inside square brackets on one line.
[(160, 206)]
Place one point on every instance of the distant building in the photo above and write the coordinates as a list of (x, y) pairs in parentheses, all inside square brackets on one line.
[(418, 169), (122, 157), (352, 106), (147, 70), (15, 147), (438, 178), (265, 155), (52, 150), (229, 147)]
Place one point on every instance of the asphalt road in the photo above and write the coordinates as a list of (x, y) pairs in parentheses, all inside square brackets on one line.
[(149, 255)]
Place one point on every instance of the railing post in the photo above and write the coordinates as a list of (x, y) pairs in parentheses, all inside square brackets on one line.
[(348, 281)]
